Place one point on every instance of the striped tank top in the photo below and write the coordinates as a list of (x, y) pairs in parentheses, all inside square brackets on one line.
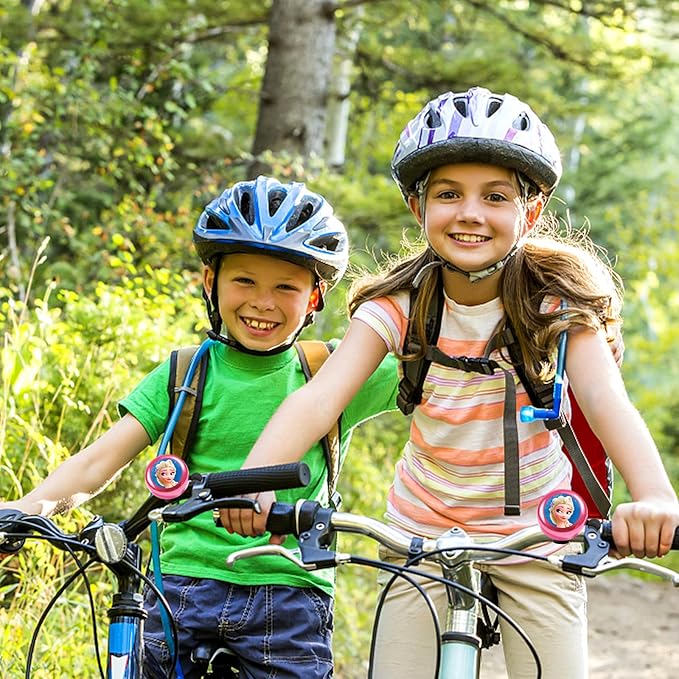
[(451, 472)]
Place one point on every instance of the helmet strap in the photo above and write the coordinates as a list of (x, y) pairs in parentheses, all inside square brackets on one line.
[(482, 274), (253, 352)]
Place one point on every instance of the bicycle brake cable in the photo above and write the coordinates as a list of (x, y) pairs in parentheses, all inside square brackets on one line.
[(400, 570)]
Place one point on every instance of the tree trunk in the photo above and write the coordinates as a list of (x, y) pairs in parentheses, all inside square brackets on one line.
[(340, 89), (293, 99)]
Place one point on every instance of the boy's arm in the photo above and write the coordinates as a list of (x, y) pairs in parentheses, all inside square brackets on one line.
[(86, 473), (645, 526)]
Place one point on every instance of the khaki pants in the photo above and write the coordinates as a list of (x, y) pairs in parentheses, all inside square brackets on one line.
[(548, 604)]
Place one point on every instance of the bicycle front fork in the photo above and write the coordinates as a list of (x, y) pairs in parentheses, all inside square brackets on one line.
[(460, 645)]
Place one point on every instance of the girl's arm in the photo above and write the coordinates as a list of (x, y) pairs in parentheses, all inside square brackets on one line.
[(308, 414), (86, 473), (645, 526)]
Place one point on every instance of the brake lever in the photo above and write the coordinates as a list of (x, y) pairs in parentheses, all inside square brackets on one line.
[(596, 551), (608, 564), (267, 550), (329, 558), (202, 502), (314, 541), (595, 559)]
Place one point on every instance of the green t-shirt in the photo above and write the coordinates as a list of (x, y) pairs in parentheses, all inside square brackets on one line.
[(242, 391)]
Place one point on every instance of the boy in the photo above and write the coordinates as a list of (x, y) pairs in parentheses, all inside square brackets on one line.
[(270, 252)]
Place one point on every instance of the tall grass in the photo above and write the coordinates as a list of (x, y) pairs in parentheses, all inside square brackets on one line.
[(66, 358)]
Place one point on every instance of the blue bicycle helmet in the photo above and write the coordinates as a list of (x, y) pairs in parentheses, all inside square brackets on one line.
[(267, 217), (281, 220)]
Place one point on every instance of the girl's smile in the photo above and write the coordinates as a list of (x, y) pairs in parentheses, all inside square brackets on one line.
[(472, 216)]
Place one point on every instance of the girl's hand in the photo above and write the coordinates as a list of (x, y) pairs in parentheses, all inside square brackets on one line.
[(248, 522), (645, 528)]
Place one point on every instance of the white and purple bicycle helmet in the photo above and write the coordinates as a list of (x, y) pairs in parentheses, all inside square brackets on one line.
[(476, 126), (282, 220)]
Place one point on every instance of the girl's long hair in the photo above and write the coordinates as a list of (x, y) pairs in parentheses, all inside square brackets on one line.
[(566, 266)]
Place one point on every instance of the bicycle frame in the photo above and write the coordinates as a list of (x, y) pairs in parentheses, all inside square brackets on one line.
[(125, 658), (459, 644), (126, 624)]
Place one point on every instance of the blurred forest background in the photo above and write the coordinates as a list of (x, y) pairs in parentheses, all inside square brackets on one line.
[(120, 119)]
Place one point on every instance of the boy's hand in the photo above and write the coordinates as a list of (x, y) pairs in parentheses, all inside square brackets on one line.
[(248, 522), (645, 528), (9, 513)]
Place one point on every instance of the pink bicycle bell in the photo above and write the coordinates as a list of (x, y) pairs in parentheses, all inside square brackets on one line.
[(167, 477), (561, 515)]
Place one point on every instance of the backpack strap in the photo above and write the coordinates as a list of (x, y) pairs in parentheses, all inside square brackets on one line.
[(312, 354), (414, 372), (541, 395), (187, 424)]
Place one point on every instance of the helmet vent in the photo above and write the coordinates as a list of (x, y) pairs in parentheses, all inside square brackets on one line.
[(247, 208), (214, 223), (329, 242), (493, 106), (460, 104), (433, 118), (521, 122), (303, 216), (275, 200)]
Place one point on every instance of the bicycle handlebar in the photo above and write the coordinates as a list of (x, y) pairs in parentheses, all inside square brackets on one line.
[(256, 479), (315, 526), (204, 492)]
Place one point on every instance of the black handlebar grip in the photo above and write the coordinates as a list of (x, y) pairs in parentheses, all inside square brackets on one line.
[(675, 540), (258, 479), (607, 534), (282, 519)]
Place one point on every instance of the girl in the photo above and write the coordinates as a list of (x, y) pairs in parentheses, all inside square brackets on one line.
[(476, 170)]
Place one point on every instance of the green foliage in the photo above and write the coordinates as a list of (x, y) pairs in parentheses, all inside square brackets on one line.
[(118, 122), (66, 359)]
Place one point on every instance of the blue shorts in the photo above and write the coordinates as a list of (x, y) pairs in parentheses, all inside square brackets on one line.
[(276, 631)]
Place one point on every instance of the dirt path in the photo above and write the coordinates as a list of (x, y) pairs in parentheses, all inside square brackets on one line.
[(633, 631)]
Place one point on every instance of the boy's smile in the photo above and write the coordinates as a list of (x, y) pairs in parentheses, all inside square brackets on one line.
[(263, 300)]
